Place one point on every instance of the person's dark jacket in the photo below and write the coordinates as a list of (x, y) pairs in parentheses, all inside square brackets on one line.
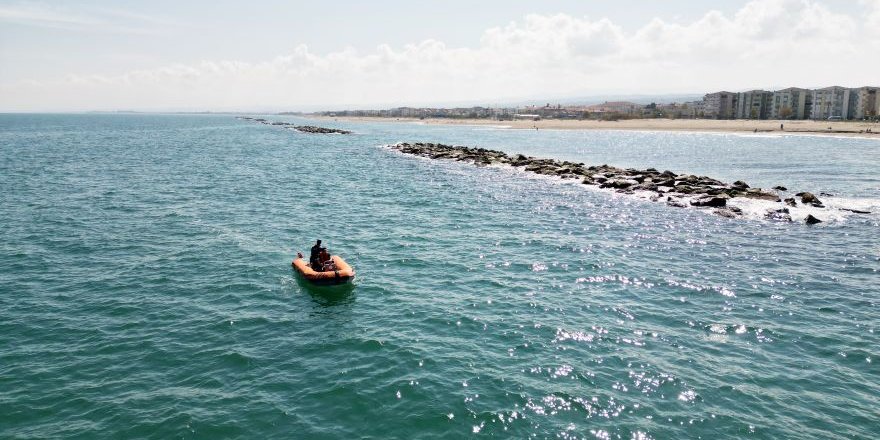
[(316, 252)]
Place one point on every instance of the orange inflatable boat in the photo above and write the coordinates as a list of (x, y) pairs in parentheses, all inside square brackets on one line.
[(343, 273)]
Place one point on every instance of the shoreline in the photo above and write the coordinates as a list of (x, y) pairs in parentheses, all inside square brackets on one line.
[(856, 129)]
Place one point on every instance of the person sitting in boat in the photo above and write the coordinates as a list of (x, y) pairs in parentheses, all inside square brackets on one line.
[(314, 258), (327, 263)]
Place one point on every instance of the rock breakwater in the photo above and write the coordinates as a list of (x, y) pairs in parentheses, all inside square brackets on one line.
[(676, 190), (319, 130), (302, 128)]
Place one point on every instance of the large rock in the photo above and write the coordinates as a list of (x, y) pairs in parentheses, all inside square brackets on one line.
[(809, 199), (519, 160), (708, 181), (756, 193), (541, 168), (618, 184), (688, 179), (675, 203), (780, 214), (810, 220), (729, 212), (710, 201), (684, 189)]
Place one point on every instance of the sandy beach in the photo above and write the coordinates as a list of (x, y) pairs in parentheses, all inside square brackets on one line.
[(836, 128)]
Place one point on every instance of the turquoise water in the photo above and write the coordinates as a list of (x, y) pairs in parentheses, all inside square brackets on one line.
[(146, 288)]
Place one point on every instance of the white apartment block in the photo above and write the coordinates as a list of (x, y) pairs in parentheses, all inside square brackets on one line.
[(791, 103), (832, 102), (754, 104), (867, 102), (719, 105)]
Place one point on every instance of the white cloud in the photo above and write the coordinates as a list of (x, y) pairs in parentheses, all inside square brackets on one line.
[(765, 43)]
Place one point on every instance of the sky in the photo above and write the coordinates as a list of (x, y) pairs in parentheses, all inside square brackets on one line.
[(259, 55)]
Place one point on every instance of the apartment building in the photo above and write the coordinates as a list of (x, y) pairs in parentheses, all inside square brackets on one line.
[(754, 104), (832, 102), (719, 105), (867, 102), (791, 103)]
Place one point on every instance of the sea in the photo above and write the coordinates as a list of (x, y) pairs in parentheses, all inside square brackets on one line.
[(146, 288)]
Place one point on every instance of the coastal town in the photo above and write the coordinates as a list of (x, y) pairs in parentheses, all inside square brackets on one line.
[(830, 103)]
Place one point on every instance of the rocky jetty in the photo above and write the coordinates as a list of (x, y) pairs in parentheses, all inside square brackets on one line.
[(677, 190), (319, 130), (301, 128)]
